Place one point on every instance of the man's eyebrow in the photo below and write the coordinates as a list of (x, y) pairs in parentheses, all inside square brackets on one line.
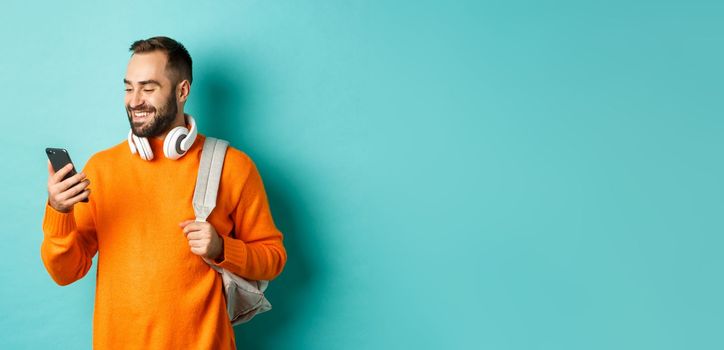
[(144, 82)]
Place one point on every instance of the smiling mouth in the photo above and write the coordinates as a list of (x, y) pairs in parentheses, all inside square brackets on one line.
[(139, 115)]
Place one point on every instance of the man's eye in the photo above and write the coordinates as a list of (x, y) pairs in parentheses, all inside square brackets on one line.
[(128, 90), (146, 90)]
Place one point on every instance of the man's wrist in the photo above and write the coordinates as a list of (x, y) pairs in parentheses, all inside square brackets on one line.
[(66, 211), (220, 257)]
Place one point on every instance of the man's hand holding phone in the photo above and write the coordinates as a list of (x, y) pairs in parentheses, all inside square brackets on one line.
[(63, 194)]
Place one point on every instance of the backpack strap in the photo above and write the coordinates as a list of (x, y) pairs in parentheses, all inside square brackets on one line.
[(207, 182), (244, 298)]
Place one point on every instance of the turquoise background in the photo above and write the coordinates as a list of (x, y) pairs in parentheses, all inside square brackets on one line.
[(459, 175)]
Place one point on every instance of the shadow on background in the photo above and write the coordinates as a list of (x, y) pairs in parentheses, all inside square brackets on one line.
[(224, 102)]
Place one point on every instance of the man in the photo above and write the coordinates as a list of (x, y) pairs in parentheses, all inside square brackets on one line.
[(155, 289)]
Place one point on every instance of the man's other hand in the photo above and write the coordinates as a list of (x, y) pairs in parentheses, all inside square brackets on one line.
[(203, 239)]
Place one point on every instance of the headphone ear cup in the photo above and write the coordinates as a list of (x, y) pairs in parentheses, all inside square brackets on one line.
[(190, 138), (179, 143), (131, 143), (144, 148), (172, 144)]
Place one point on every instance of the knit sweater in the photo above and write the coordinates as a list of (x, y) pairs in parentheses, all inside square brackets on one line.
[(152, 292)]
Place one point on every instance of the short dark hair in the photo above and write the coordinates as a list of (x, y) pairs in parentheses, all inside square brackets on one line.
[(179, 60)]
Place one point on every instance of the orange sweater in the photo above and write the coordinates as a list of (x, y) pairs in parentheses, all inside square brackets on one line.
[(152, 292)]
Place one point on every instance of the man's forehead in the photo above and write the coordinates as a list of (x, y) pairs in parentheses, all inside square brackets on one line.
[(146, 67)]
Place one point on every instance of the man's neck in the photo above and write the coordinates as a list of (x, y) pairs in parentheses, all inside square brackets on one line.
[(179, 121)]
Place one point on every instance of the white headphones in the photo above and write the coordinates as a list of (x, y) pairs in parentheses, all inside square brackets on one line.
[(175, 145)]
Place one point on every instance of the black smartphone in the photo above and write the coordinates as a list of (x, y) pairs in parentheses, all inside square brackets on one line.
[(59, 158)]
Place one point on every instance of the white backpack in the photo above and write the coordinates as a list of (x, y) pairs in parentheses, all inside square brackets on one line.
[(244, 298)]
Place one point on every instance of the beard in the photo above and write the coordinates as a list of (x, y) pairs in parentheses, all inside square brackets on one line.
[(162, 118)]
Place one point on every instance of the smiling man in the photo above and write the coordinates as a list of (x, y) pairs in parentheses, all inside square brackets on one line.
[(155, 288), (152, 104)]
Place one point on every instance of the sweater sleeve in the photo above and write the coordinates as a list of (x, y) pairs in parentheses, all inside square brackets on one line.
[(69, 242), (256, 252)]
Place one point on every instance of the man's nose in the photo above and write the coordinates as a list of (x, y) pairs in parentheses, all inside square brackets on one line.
[(135, 100)]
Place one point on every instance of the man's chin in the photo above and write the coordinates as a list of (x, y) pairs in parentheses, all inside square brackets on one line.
[(139, 131)]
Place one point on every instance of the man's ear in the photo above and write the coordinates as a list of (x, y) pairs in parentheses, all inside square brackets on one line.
[(183, 89)]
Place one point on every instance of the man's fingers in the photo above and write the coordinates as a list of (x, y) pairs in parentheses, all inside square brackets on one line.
[(73, 191), (79, 197), (184, 223), (58, 176), (192, 225), (197, 235), (190, 229), (198, 243), (72, 200), (70, 182)]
